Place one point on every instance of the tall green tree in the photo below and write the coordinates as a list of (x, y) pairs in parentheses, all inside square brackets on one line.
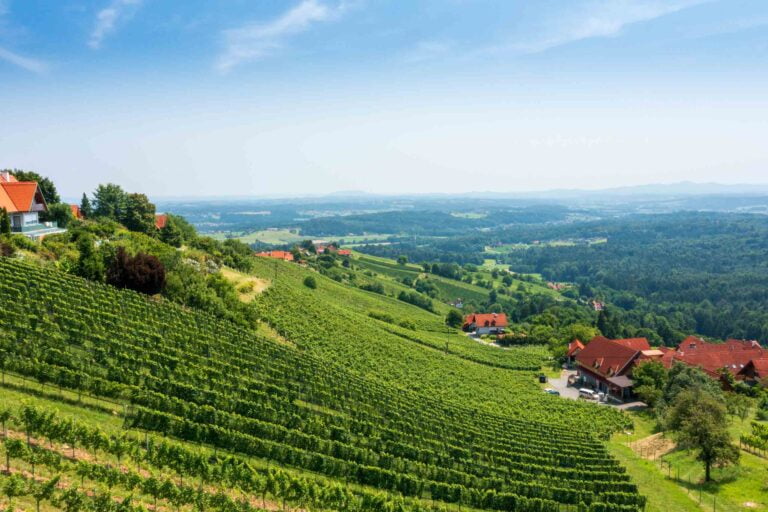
[(110, 201), (5, 222), (90, 264), (699, 422), (86, 208), (60, 213), (650, 379), (171, 234), (139, 214), (47, 188)]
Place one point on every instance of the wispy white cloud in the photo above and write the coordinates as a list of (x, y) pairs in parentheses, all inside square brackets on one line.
[(108, 18), (27, 63), (256, 41), (597, 18)]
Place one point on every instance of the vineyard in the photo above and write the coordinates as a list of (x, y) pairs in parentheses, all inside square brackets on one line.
[(355, 414)]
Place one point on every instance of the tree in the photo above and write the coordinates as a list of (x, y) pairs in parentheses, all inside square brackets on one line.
[(90, 264), (402, 259), (86, 209), (60, 213), (139, 214), (310, 282), (699, 422), (650, 379), (682, 377), (111, 202), (738, 405), (170, 233), (143, 273), (47, 188), (454, 318), (5, 222)]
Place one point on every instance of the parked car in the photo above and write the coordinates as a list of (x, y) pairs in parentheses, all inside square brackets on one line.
[(551, 391), (589, 394)]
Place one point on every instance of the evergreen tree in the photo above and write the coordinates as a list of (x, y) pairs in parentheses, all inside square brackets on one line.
[(139, 214), (86, 209), (5, 222)]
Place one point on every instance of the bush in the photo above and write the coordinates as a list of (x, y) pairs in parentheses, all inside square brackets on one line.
[(143, 273), (310, 282)]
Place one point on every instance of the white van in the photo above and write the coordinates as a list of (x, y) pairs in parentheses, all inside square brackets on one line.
[(588, 394)]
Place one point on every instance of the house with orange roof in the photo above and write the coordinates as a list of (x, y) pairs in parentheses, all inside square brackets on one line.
[(574, 348), (485, 323), (23, 201), (277, 255), (606, 365)]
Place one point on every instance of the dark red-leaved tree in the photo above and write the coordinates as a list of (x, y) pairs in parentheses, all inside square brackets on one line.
[(143, 272)]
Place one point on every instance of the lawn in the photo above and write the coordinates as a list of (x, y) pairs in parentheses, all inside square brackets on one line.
[(676, 481)]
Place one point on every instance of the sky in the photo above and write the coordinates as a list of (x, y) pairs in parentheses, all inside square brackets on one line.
[(296, 97)]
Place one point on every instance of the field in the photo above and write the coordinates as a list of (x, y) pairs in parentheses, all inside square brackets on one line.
[(674, 481), (267, 236), (352, 414)]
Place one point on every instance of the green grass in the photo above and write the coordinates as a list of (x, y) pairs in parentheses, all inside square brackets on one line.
[(677, 482)]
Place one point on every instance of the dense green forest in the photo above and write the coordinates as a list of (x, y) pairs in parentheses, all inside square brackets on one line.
[(669, 275)]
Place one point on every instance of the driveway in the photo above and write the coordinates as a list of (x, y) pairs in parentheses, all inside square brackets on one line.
[(561, 385)]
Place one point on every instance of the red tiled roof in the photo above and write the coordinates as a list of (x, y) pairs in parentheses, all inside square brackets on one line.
[(608, 358), (18, 196), (574, 347), (486, 320), (635, 343), (344, 252), (161, 219), (712, 357), (76, 213), (278, 255)]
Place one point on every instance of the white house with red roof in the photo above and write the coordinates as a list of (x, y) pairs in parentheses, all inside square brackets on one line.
[(485, 323), (23, 201), (606, 365)]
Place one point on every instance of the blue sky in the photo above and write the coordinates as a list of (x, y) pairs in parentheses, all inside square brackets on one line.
[(259, 97)]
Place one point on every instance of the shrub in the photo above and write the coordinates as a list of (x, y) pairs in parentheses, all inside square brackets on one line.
[(143, 273), (310, 282)]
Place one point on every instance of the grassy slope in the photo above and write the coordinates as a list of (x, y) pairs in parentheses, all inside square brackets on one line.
[(732, 489)]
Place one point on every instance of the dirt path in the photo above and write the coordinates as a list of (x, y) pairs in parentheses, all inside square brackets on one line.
[(653, 446)]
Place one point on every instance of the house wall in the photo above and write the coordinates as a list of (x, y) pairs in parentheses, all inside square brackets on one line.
[(489, 330)]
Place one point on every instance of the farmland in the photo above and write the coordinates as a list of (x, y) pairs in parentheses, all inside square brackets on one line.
[(353, 403)]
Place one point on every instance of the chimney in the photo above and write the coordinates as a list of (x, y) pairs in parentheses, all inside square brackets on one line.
[(5, 176)]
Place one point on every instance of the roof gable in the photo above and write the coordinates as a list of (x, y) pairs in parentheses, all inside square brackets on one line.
[(606, 357), (20, 196), (486, 320)]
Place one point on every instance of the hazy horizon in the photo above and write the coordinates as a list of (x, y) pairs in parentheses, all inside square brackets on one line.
[(310, 97)]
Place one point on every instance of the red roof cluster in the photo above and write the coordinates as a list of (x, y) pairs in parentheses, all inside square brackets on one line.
[(486, 320), (733, 355), (609, 358), (278, 255)]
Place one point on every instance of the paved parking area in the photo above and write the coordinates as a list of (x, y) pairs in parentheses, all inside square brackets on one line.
[(561, 385)]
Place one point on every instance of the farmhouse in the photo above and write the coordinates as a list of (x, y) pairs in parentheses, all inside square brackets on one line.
[(606, 365), (485, 323), (23, 201), (278, 255), (713, 358)]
